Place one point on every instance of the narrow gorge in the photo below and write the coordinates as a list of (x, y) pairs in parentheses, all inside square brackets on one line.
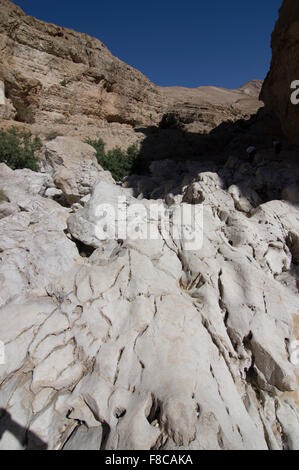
[(128, 343)]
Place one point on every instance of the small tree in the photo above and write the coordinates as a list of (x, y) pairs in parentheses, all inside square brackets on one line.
[(52, 135), (18, 149), (119, 162), (3, 197)]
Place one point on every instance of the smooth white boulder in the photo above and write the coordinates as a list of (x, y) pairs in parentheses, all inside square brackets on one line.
[(74, 167)]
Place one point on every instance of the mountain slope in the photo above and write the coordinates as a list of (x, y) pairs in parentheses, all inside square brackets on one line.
[(54, 75)]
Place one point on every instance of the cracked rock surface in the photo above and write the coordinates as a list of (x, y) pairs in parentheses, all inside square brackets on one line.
[(145, 344)]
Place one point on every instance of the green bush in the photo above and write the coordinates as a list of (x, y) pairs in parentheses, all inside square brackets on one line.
[(59, 121), (52, 135), (18, 149), (120, 163), (137, 123), (25, 114), (3, 197)]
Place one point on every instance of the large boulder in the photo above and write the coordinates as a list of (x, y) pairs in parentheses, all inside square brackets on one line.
[(22, 185), (74, 167), (33, 245)]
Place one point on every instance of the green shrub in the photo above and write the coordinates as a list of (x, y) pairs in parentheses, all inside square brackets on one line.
[(25, 114), (120, 163), (18, 149), (52, 135), (3, 197), (63, 83), (137, 123)]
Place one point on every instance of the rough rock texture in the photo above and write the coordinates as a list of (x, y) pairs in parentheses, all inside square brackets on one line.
[(276, 91), (7, 110), (60, 78), (118, 342), (74, 167), (204, 108), (141, 339), (73, 74)]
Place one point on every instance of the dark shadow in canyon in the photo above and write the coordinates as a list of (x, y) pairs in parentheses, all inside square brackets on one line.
[(170, 140), (210, 151), (27, 439)]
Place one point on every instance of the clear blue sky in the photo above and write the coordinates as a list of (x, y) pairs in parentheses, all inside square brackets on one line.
[(188, 43)]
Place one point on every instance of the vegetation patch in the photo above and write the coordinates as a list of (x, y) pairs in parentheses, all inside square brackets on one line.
[(137, 123), (25, 114), (3, 197), (18, 149), (119, 162), (59, 121), (52, 135)]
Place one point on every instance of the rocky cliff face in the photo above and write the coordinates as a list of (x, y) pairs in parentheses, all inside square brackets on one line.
[(54, 75), (284, 70), (204, 108)]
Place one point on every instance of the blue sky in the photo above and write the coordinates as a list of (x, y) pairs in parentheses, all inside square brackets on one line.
[(187, 43)]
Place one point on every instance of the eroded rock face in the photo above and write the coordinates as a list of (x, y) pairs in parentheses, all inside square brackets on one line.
[(145, 343), (203, 108), (76, 77), (58, 76), (276, 91), (140, 342), (7, 110)]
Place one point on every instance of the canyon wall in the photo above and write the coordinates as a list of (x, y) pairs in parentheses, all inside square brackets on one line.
[(149, 338), (56, 76), (57, 73), (276, 91)]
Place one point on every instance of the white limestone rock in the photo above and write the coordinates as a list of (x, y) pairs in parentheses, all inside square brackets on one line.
[(149, 344), (74, 167)]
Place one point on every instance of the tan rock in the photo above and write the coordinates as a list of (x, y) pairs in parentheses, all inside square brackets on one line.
[(76, 78), (7, 110), (56, 76)]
